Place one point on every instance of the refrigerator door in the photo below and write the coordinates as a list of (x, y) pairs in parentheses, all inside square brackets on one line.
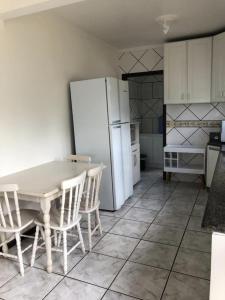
[(127, 160), (124, 101), (113, 100), (117, 165), (91, 130)]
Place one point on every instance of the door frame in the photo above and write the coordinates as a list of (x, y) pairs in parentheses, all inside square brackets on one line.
[(126, 76)]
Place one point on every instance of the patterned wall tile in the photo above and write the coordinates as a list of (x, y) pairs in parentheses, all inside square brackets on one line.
[(134, 61)]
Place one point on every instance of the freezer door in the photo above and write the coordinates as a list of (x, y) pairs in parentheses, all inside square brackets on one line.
[(117, 165), (124, 101), (127, 160), (113, 100)]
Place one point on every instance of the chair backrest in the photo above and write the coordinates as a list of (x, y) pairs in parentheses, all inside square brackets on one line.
[(9, 191), (72, 190), (92, 186), (77, 157)]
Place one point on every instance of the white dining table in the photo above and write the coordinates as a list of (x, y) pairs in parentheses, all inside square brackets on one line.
[(41, 184)]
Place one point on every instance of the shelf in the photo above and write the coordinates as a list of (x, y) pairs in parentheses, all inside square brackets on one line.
[(174, 163), (184, 149), (184, 170)]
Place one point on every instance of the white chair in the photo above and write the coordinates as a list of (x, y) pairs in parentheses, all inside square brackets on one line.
[(79, 158), (90, 201), (13, 222), (63, 220)]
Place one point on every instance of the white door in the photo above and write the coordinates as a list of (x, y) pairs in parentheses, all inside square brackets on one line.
[(175, 73), (199, 70), (113, 100), (124, 101), (127, 160), (218, 75), (117, 165)]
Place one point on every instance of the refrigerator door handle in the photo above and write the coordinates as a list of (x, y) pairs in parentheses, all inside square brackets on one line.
[(117, 121), (117, 126)]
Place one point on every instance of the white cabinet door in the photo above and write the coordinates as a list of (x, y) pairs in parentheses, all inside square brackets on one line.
[(113, 100), (218, 76), (127, 160), (124, 101), (117, 165), (175, 73), (199, 70)]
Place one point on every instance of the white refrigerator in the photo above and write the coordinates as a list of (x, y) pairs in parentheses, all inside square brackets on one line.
[(101, 118)]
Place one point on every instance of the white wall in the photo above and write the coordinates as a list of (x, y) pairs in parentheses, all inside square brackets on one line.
[(39, 56)]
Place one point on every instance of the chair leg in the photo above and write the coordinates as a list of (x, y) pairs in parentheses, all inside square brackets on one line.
[(4, 246), (89, 232), (55, 238), (42, 233), (99, 221), (59, 238), (80, 238), (65, 250), (19, 253), (34, 246)]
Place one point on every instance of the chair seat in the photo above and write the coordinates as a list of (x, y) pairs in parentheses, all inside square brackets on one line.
[(83, 210), (55, 220), (27, 218)]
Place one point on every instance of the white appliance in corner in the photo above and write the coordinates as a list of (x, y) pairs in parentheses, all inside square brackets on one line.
[(212, 157), (101, 119)]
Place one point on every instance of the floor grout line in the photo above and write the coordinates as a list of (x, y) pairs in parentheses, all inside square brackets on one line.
[(171, 270), (127, 260), (139, 239)]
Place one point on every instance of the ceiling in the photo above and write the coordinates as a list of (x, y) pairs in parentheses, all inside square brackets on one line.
[(131, 23)]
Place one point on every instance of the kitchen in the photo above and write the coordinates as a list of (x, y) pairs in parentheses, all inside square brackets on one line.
[(72, 66)]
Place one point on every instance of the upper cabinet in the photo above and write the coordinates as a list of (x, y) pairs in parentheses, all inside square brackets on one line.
[(175, 73), (187, 71), (199, 70), (218, 75)]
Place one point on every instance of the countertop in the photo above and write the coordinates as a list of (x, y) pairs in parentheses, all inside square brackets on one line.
[(214, 216)]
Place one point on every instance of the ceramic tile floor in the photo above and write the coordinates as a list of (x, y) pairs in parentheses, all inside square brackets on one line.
[(153, 248)]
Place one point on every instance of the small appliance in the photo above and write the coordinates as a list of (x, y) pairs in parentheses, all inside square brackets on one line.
[(214, 138)]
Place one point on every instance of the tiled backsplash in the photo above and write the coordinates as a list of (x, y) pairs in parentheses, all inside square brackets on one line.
[(200, 120)]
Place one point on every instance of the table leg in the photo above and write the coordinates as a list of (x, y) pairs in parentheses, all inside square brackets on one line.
[(45, 206)]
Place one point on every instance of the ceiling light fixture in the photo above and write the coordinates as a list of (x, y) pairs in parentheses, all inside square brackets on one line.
[(165, 21)]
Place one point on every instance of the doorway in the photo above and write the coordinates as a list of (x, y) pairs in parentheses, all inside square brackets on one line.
[(148, 111)]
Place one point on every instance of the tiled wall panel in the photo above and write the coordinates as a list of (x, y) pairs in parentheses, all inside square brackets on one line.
[(194, 123)]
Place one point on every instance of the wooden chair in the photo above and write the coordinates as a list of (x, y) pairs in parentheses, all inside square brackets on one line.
[(90, 201), (62, 221), (79, 158), (13, 222)]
